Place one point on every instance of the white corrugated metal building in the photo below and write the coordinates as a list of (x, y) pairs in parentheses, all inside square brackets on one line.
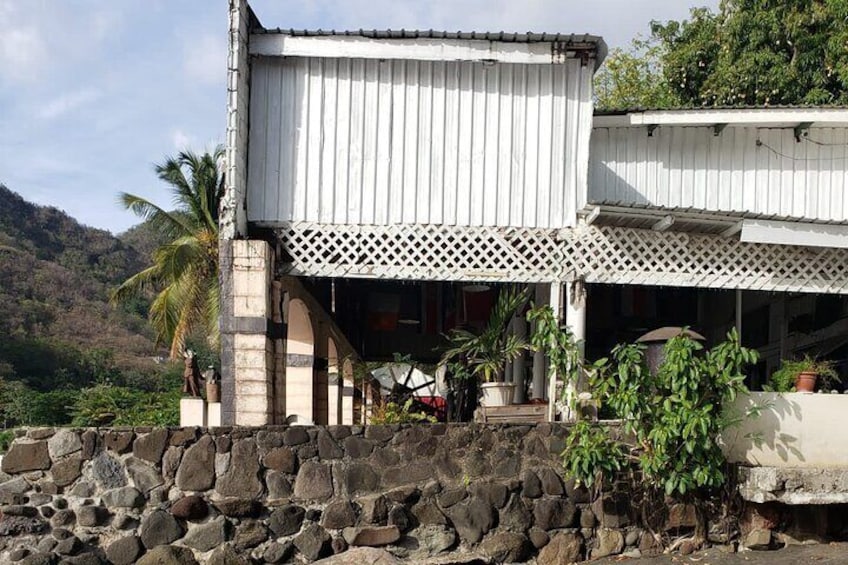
[(445, 159)]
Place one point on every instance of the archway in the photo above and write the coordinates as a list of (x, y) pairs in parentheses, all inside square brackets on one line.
[(300, 359), (334, 384)]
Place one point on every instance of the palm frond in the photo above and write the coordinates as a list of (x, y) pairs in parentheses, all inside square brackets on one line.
[(167, 223)]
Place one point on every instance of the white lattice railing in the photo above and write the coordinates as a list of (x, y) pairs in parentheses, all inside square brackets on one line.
[(597, 254)]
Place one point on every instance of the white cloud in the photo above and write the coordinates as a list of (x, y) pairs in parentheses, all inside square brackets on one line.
[(205, 58), (22, 48), (181, 139), (68, 102)]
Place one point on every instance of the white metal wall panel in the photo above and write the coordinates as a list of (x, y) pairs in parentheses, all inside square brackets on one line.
[(370, 142), (690, 167)]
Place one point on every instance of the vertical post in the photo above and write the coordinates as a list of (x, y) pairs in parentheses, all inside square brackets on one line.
[(278, 415), (518, 366), (320, 377), (539, 363), (739, 313), (556, 306), (575, 317)]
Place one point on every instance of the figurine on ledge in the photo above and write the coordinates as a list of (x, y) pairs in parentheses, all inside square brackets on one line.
[(191, 374)]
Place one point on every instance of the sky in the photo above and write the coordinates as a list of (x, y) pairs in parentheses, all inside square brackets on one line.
[(94, 93)]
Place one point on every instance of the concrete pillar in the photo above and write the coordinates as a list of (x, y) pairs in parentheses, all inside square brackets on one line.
[(542, 294), (300, 360), (192, 412), (575, 318), (334, 385), (247, 351), (279, 339), (555, 301), (519, 364), (347, 393)]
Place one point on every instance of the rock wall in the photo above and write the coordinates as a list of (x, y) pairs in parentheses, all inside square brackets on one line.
[(283, 494)]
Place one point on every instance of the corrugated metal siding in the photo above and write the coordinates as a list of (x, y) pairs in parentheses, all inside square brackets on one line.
[(352, 141), (690, 167)]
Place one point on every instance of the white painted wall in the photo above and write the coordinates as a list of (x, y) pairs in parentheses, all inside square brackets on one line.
[(797, 430), (356, 141), (691, 167)]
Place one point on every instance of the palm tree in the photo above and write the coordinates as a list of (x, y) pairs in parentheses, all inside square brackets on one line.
[(184, 273)]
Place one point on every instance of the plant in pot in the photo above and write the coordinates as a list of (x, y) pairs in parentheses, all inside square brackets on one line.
[(484, 355), (803, 375)]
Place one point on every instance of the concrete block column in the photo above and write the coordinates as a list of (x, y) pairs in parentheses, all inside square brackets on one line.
[(247, 356)]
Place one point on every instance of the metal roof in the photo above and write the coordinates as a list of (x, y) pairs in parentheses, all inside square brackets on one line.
[(642, 109)]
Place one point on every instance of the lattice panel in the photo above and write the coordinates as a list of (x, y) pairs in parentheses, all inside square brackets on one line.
[(598, 254)]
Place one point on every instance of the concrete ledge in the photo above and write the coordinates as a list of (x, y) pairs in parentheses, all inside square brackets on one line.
[(793, 485)]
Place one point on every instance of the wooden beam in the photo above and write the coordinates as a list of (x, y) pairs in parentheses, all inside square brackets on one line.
[(794, 233), (732, 230), (593, 215), (664, 223)]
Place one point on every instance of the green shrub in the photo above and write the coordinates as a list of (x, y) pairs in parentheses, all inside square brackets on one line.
[(394, 413), (6, 437), (106, 404)]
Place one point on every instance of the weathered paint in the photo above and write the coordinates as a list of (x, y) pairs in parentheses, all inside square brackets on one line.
[(370, 142), (691, 167)]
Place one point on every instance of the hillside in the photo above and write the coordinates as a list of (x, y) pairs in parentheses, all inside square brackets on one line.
[(56, 325)]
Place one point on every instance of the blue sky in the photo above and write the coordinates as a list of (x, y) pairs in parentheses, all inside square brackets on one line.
[(94, 92)]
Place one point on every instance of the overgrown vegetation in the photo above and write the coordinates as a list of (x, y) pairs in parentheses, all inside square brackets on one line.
[(783, 380), (388, 412), (675, 417)]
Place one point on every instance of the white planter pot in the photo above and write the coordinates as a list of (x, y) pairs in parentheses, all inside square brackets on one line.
[(497, 394)]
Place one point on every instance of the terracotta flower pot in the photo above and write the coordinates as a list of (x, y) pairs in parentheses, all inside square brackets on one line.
[(806, 381), (213, 392)]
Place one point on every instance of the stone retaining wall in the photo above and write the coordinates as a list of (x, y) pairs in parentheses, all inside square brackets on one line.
[(279, 494)]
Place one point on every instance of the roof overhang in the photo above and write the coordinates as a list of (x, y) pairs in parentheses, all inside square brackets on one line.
[(752, 230), (447, 47), (739, 117)]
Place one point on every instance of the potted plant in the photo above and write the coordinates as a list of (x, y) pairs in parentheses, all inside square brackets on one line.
[(804, 374), (485, 354)]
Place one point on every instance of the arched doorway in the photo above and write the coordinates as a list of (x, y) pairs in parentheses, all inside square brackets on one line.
[(300, 360)]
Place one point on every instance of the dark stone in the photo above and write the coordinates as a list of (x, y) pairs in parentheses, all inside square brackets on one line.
[(432, 540), (38, 558), (427, 513), (85, 489), (339, 545), (445, 465), (338, 514), (60, 503), (508, 463), (313, 542), (192, 508), (562, 548), (538, 537), (119, 442), (159, 528), (506, 547), (91, 444), (183, 436), (171, 461), (281, 459), (249, 534), (359, 478), (91, 516), (357, 447), (494, 493), (46, 545), (399, 516), (286, 520), (373, 509), (477, 464), (124, 551), (242, 480), (371, 536), (554, 513), (21, 525), (223, 444), (611, 510), (108, 472), (20, 510), (516, 516), (551, 482), (339, 432), (226, 555), (313, 514), (295, 435), (68, 546), (578, 493), (63, 518), (23, 457), (607, 542), (197, 468), (168, 555), (386, 457), (40, 433), (278, 485), (327, 448), (123, 497), (239, 507), (150, 447), (18, 554), (405, 495), (278, 552), (145, 477), (314, 482), (210, 535), (266, 439), (62, 533), (451, 496), (379, 433), (472, 519), (66, 471), (47, 511), (531, 485), (587, 518)]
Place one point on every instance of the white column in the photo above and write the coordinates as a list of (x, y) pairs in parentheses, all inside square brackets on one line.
[(556, 306), (539, 363), (347, 404), (575, 317), (520, 327)]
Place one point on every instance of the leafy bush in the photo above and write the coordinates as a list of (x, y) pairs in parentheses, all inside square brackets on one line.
[(393, 413), (21, 405), (106, 404), (6, 437)]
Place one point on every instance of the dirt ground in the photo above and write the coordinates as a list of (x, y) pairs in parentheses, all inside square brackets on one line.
[(830, 554)]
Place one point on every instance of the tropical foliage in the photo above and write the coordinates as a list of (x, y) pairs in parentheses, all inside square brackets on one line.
[(749, 53), (184, 273)]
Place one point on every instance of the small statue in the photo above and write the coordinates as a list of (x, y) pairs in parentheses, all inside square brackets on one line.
[(191, 374)]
